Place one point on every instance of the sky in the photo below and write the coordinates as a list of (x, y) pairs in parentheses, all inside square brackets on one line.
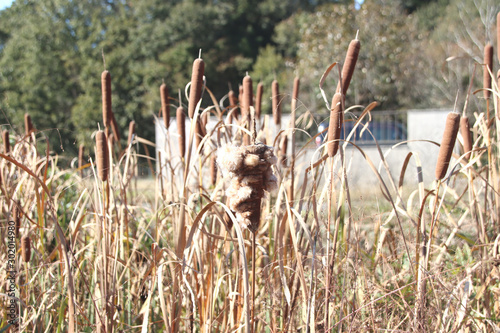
[(5, 3)]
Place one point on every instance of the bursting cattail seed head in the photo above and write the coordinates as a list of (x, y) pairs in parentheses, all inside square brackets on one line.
[(447, 144), (165, 106), (181, 129), (102, 156), (131, 131), (466, 136), (28, 125), (106, 98), (6, 142), (275, 98), (488, 67), (26, 248), (196, 85), (349, 64), (249, 168), (335, 126)]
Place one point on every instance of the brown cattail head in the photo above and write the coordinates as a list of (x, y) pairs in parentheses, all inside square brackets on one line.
[(213, 169), (181, 129), (81, 158), (28, 125), (233, 100), (283, 149), (200, 132), (6, 142), (488, 67), (131, 131), (498, 36), (102, 155), (196, 85), (275, 97), (467, 136), (26, 248), (349, 64), (106, 98), (165, 106), (258, 100), (251, 175), (240, 94), (447, 144), (16, 216), (335, 126)]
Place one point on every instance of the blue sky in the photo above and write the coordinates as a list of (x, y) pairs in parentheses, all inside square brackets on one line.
[(5, 3)]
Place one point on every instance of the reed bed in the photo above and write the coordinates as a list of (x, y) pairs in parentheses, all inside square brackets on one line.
[(242, 243)]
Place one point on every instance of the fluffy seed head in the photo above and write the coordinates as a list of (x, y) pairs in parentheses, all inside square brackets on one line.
[(196, 85), (102, 155), (165, 106), (447, 144), (106, 98)]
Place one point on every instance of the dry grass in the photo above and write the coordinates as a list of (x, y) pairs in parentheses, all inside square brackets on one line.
[(168, 254)]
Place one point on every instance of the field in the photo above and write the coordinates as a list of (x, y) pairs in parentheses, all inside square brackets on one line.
[(233, 235)]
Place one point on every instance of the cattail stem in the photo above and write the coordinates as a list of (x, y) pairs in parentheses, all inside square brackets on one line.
[(447, 144)]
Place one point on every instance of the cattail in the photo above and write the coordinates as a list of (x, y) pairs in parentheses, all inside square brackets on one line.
[(296, 86), (349, 64), (240, 94), (199, 132), (196, 85), (181, 129), (81, 157), (447, 144), (26, 248), (467, 136), (488, 62), (102, 156), (213, 169), (498, 36), (251, 175), (114, 127), (335, 127), (246, 104), (106, 98), (275, 96), (233, 100), (165, 106), (131, 131), (16, 216), (283, 149), (6, 142), (258, 100), (28, 125)]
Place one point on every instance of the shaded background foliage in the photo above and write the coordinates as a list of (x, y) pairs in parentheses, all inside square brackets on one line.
[(51, 54)]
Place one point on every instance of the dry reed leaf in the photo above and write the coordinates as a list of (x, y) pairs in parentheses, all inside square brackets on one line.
[(131, 131)]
